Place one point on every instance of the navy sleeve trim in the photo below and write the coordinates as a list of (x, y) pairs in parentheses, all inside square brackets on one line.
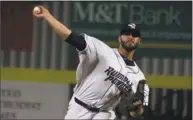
[(77, 41)]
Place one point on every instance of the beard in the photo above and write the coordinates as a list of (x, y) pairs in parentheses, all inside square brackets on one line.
[(129, 46)]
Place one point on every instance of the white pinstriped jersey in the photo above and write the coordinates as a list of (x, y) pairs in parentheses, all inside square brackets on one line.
[(102, 74)]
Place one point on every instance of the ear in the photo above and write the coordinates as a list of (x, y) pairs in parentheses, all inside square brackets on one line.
[(139, 40)]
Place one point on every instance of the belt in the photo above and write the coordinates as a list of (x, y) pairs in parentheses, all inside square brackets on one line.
[(92, 109)]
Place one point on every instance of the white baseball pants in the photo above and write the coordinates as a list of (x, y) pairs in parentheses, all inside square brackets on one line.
[(76, 111)]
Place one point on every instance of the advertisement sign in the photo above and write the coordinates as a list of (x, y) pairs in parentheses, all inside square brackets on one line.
[(159, 21), (33, 100)]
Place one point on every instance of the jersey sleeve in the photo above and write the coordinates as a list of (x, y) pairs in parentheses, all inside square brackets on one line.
[(90, 45), (94, 46)]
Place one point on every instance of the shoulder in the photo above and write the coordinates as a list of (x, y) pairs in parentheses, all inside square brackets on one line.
[(88, 37), (100, 44)]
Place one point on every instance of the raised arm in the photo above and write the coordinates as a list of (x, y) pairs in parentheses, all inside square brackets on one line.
[(61, 30), (58, 27)]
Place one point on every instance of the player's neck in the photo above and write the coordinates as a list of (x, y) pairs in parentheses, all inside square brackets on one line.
[(129, 55)]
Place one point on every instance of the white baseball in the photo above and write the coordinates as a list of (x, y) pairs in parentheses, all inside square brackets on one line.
[(37, 9)]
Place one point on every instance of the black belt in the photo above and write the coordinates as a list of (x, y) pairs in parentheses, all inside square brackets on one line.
[(92, 109)]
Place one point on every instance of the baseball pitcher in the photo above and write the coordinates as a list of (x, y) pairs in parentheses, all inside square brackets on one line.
[(104, 75)]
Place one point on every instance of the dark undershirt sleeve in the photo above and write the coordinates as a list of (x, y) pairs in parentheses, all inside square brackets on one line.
[(77, 41)]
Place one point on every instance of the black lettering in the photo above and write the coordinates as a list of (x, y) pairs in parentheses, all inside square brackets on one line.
[(114, 81), (8, 115), (122, 77), (10, 93), (118, 79), (6, 104), (109, 70), (113, 73), (109, 78), (118, 75)]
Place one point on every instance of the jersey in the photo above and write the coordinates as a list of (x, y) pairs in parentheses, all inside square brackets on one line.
[(102, 75)]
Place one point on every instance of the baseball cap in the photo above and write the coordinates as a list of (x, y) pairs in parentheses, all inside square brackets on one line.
[(130, 28)]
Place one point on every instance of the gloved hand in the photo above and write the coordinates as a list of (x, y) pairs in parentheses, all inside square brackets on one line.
[(137, 109)]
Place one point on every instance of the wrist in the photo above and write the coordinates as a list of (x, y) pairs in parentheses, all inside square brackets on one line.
[(47, 17)]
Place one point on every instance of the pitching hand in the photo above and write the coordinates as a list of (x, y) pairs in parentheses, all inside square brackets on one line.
[(41, 13)]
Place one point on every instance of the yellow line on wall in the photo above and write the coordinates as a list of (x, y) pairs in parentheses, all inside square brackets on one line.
[(68, 77)]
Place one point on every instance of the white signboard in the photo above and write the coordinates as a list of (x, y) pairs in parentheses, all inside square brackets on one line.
[(29, 100)]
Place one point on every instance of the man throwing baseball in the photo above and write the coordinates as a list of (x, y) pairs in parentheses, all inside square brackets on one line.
[(104, 75)]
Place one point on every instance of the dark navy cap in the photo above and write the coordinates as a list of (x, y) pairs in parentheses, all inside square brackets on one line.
[(130, 28)]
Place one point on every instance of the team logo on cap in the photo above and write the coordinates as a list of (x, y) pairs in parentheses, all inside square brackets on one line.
[(132, 25)]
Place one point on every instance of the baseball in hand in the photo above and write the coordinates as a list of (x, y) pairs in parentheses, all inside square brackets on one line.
[(37, 9)]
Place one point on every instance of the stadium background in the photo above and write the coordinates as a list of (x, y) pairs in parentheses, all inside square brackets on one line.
[(38, 69)]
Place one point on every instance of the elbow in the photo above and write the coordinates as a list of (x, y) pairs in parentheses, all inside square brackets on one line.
[(65, 35)]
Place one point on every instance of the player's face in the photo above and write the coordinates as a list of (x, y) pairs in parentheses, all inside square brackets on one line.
[(128, 42)]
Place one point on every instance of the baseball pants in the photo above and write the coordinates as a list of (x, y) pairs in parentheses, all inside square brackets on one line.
[(76, 111)]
